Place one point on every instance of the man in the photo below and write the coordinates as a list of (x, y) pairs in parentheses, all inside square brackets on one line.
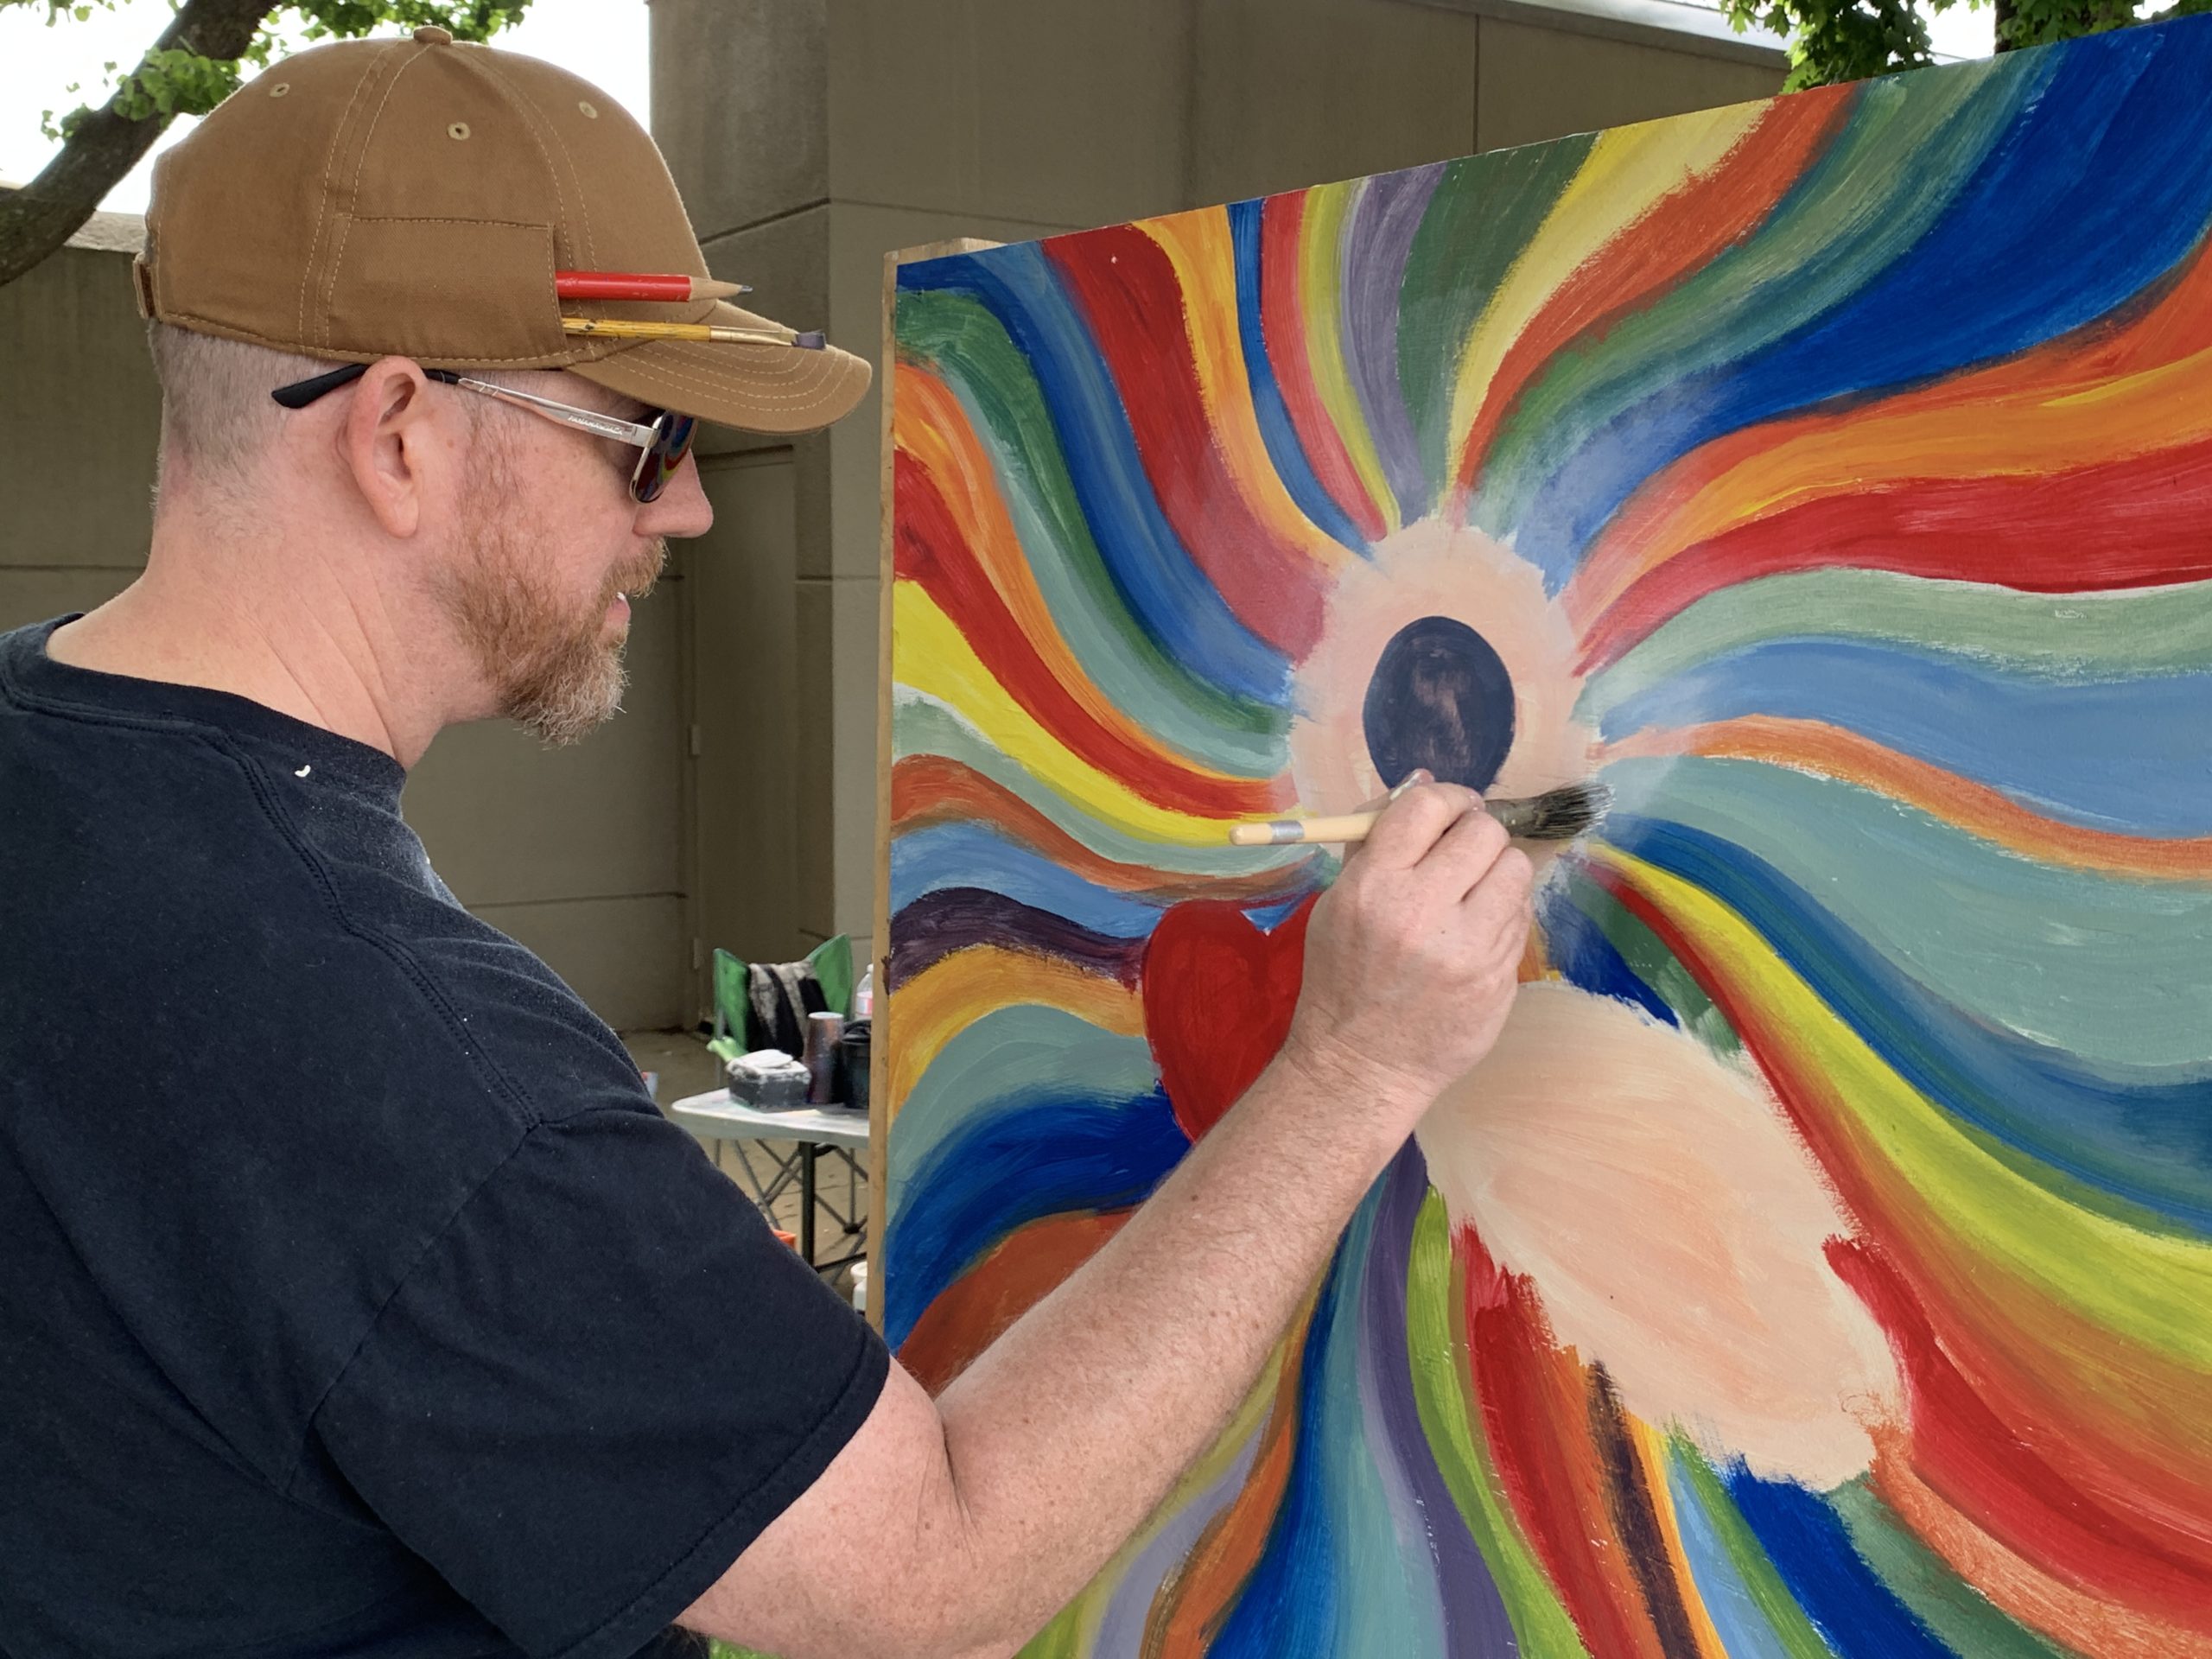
[(357, 1300)]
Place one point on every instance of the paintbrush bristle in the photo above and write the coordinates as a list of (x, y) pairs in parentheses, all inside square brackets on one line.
[(1558, 814)]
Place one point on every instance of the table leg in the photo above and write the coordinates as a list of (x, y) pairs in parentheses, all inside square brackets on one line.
[(806, 1201)]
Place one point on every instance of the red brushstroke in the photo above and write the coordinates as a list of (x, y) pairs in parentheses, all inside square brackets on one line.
[(1218, 995), (928, 549), (1282, 324), (1125, 285), (1684, 232), (930, 789), (1967, 1454), (2136, 523), (1535, 1405)]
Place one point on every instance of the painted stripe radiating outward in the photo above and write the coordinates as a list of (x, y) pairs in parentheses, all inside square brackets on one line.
[(1153, 571), (1376, 243), (1272, 384), (1270, 573), (1814, 747), (1626, 175), (1321, 292), (2129, 386), (2134, 755), (2022, 254), (1105, 615), (954, 540), (1484, 213), (1684, 232), (936, 660)]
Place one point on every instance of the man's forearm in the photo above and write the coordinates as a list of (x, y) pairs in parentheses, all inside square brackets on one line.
[(1074, 1425)]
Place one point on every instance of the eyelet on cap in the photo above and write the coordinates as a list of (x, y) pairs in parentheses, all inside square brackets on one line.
[(585, 105), (280, 89), (458, 129)]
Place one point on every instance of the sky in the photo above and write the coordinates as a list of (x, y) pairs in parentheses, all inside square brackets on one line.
[(603, 40)]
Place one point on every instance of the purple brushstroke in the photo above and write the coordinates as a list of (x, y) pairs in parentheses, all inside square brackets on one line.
[(952, 918), (1379, 240), (1121, 1632), (1476, 1625)]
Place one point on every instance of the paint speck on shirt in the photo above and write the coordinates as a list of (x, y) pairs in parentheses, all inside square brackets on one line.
[(303, 771)]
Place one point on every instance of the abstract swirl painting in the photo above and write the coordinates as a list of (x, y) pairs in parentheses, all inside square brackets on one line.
[(1822, 1262)]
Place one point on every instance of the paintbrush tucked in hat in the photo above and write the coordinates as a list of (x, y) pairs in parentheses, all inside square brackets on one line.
[(471, 209)]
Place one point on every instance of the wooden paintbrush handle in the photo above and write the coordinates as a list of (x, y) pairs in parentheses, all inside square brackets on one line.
[(1514, 816)]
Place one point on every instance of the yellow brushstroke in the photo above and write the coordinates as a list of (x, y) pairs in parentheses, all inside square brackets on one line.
[(1651, 1453), (950, 995), (1626, 174), (1199, 248), (936, 659), (1320, 296)]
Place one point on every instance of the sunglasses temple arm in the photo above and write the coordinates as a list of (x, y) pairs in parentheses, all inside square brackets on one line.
[(300, 393)]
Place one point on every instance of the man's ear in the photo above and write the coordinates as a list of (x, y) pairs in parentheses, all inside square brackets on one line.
[(388, 443)]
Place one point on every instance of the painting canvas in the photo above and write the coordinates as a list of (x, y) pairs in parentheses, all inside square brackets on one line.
[(1823, 1263)]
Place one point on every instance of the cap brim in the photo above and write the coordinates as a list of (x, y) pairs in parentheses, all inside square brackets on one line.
[(755, 388)]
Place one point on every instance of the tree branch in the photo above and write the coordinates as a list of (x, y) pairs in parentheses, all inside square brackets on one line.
[(42, 215)]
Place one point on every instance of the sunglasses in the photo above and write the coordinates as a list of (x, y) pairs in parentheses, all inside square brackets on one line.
[(662, 443)]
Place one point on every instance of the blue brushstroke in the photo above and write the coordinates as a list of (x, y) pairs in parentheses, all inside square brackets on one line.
[(1805, 1541), (1162, 587), (1584, 957), (1744, 1631), (1380, 239), (2149, 1143), (1017, 1160), (1276, 430), (969, 854), (2028, 251), (2129, 755)]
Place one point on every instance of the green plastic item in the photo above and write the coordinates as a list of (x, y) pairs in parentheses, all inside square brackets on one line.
[(832, 962)]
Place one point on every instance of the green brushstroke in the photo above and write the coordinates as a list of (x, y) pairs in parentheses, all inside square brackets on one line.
[(1010, 1051), (1796, 1633), (2138, 633), (958, 338), (2109, 968), (1485, 212), (1649, 958), (922, 725), (1065, 1636), (1436, 1344), (1960, 1615), (1893, 172)]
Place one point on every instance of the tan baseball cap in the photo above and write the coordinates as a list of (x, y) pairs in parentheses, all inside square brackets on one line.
[(415, 197)]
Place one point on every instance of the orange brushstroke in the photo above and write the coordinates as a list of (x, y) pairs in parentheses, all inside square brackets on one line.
[(1831, 752), (1020, 1270)]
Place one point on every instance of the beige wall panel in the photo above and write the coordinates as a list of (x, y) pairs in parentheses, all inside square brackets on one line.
[(79, 415), (859, 237), (612, 952), (1295, 92), (741, 590), (36, 596), (853, 714), (738, 88), (1059, 110), (1538, 83), (507, 820), (816, 779)]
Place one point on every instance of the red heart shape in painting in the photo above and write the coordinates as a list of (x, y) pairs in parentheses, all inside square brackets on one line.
[(1218, 995)]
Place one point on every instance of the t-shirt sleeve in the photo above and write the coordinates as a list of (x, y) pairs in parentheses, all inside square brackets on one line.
[(599, 1382)]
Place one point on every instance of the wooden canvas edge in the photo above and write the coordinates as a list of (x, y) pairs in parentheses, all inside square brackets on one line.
[(878, 1125)]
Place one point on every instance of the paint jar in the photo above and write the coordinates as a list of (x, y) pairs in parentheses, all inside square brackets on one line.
[(823, 1031), (852, 1063)]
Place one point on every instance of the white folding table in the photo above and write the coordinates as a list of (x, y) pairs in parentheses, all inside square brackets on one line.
[(813, 1130)]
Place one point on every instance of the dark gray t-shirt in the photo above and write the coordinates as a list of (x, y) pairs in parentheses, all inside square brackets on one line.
[(354, 1297)]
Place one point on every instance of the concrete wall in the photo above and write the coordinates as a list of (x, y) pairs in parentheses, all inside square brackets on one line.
[(577, 853), (811, 137)]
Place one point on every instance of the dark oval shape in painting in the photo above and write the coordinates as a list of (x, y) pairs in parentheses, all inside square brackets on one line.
[(1440, 697)]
